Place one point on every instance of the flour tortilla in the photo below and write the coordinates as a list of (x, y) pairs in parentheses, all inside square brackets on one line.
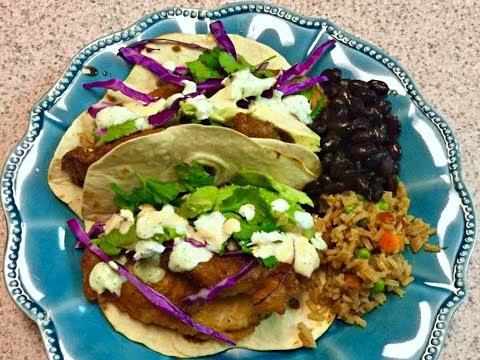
[(81, 130), (277, 332), (225, 151)]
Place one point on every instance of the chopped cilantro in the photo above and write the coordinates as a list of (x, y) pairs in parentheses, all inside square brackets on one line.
[(113, 242), (269, 262), (117, 131), (211, 57), (201, 72), (194, 175), (151, 192)]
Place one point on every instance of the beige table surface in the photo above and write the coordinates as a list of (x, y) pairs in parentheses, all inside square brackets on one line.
[(436, 40)]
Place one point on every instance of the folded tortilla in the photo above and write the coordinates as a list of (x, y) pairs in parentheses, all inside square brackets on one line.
[(81, 130)]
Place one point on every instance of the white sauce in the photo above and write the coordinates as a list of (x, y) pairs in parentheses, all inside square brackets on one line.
[(142, 124), (318, 242), (190, 87), (103, 277), (280, 205), (149, 270), (247, 211), (185, 256), (284, 246), (273, 243), (303, 219), (147, 248), (244, 84), (203, 106), (306, 257), (151, 222), (210, 228), (297, 105), (114, 115)]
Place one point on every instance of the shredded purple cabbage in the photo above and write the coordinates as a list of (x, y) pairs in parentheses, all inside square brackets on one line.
[(181, 71), (140, 45), (157, 299), (212, 292), (292, 88), (95, 231), (96, 108), (302, 69), (134, 57), (210, 85), (118, 85), (223, 41), (195, 242), (163, 117)]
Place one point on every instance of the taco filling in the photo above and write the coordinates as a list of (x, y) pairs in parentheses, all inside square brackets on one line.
[(213, 86), (226, 256)]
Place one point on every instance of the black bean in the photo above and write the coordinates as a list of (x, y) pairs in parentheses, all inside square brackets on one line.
[(357, 85), (380, 134), (391, 184), (395, 150), (368, 96), (318, 127), (362, 185), (333, 75), (343, 94), (326, 159), (378, 86), (330, 142), (385, 168), (344, 83), (356, 105), (362, 136), (339, 166), (383, 106), (376, 191), (330, 89), (338, 102), (360, 123), (374, 160), (334, 187), (373, 114), (339, 126), (396, 168), (362, 151), (393, 125)]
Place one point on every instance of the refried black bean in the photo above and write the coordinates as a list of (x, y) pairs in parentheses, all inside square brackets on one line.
[(359, 138)]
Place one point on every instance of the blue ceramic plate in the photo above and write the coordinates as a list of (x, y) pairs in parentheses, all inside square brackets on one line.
[(42, 267)]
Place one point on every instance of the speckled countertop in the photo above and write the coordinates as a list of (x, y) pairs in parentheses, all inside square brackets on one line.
[(435, 40)]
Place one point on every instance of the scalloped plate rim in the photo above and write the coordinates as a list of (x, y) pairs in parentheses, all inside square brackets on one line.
[(238, 8)]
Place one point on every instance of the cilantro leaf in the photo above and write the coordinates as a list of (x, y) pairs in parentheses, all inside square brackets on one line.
[(246, 195), (151, 192), (122, 200), (113, 242), (230, 65), (201, 72), (117, 131), (194, 175), (269, 262), (211, 57)]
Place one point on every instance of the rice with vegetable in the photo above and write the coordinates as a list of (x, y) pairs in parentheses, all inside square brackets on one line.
[(364, 260)]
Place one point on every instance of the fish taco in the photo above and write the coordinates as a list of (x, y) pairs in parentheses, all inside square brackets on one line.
[(199, 257), (219, 80)]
